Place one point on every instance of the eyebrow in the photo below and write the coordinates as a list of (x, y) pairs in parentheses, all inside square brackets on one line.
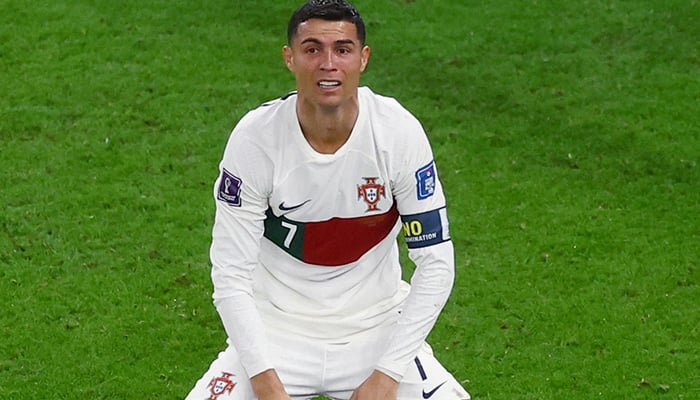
[(337, 42)]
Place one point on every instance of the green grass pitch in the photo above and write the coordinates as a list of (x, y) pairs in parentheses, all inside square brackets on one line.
[(567, 135)]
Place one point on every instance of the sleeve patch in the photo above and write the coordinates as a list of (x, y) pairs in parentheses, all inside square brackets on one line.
[(425, 178), (229, 188), (426, 229)]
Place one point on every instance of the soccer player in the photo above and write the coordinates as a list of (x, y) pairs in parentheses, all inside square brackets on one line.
[(314, 188)]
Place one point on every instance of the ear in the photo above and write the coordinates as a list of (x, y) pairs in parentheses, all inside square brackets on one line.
[(288, 58), (366, 52)]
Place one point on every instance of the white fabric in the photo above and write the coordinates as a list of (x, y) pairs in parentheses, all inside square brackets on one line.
[(313, 368), (259, 286)]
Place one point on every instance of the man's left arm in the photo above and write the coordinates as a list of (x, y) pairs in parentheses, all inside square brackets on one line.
[(431, 285), (421, 202)]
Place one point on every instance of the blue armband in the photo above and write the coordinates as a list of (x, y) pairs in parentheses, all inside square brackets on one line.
[(426, 229)]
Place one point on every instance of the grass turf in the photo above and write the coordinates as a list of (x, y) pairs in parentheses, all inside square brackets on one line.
[(566, 136)]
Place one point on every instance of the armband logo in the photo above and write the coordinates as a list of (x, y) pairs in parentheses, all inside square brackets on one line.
[(230, 188), (425, 178)]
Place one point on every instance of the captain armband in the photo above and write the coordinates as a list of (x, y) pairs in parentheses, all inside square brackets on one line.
[(426, 229)]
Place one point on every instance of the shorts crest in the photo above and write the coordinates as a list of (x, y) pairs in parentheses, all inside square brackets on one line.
[(220, 385)]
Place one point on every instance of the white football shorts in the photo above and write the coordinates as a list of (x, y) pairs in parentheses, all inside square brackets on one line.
[(311, 368)]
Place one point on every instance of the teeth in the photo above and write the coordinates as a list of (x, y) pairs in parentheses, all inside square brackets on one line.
[(329, 83)]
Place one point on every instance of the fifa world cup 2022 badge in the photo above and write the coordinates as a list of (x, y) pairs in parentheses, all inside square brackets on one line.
[(229, 189), (371, 192), (220, 385)]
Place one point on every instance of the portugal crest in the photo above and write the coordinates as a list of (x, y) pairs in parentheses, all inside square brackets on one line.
[(371, 192), (220, 385)]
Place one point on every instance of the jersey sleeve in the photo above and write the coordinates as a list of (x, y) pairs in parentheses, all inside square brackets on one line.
[(422, 206), (240, 194)]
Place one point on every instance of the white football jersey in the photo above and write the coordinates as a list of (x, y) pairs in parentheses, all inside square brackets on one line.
[(310, 239)]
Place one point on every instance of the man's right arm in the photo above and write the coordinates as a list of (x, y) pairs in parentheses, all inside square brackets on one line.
[(240, 192)]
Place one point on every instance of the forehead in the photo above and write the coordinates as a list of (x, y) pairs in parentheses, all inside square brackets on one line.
[(326, 31)]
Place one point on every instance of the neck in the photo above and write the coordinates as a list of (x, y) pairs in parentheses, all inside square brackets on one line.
[(327, 128)]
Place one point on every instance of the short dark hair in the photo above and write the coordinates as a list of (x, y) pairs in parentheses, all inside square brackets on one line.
[(329, 10)]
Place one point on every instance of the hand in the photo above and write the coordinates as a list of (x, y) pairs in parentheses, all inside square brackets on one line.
[(379, 386), (267, 386)]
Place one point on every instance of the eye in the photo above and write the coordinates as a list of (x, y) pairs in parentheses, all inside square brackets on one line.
[(344, 50)]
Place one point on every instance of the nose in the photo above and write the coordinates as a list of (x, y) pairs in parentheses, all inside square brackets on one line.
[(328, 61)]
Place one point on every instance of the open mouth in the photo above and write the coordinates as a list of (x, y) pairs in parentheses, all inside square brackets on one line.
[(329, 84)]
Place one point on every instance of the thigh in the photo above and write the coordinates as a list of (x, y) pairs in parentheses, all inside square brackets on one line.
[(298, 363), (351, 362), (427, 379)]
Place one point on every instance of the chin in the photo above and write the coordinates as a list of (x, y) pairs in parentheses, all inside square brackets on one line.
[(328, 103)]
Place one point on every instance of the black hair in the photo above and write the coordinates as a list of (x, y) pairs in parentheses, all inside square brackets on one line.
[(329, 10)]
